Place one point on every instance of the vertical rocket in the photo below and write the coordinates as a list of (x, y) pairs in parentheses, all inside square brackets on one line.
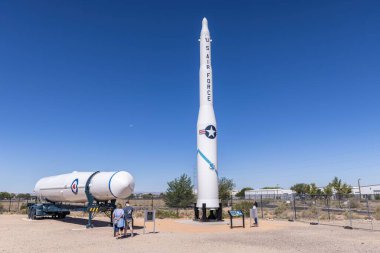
[(206, 128)]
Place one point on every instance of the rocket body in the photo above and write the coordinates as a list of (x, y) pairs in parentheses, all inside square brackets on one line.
[(207, 164), (71, 187)]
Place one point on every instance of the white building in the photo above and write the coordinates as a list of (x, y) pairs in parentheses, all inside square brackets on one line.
[(234, 192), (367, 190), (269, 194)]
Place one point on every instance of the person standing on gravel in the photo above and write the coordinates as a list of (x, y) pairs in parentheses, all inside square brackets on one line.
[(254, 212), (128, 216), (118, 221)]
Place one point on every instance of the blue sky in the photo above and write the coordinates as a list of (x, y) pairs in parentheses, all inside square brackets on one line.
[(109, 85)]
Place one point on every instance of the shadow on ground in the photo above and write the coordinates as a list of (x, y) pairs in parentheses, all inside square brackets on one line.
[(84, 221), (96, 223)]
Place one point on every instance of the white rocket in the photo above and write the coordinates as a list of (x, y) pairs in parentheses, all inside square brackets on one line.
[(71, 187), (206, 128)]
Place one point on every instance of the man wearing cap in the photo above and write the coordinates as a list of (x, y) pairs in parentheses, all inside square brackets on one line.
[(128, 216)]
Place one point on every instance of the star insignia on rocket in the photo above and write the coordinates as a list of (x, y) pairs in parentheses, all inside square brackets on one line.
[(210, 132)]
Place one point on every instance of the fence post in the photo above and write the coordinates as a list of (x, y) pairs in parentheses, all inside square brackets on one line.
[(294, 207), (328, 207), (318, 209), (349, 213), (369, 214), (152, 202), (261, 206), (10, 204)]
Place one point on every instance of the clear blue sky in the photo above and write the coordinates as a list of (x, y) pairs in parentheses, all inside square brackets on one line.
[(109, 85)]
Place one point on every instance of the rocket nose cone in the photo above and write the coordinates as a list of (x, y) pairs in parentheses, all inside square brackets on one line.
[(204, 23), (122, 184)]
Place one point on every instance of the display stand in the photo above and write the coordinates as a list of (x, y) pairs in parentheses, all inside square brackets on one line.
[(236, 214), (215, 214), (150, 216)]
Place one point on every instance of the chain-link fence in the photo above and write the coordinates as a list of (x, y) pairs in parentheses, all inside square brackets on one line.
[(345, 211), (15, 205), (350, 211)]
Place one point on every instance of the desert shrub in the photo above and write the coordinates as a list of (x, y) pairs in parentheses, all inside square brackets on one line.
[(281, 209), (312, 212), (161, 214), (347, 214), (325, 216), (352, 215), (244, 206), (264, 201), (354, 203), (1, 209), (377, 213), (225, 215), (138, 214), (23, 208)]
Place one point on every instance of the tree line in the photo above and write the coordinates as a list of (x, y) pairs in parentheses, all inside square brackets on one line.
[(180, 194), (9, 195), (336, 186)]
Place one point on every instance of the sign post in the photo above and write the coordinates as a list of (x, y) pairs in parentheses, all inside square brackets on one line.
[(236, 214), (150, 216)]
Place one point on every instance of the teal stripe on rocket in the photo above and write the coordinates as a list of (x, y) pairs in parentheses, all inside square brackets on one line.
[(212, 166)]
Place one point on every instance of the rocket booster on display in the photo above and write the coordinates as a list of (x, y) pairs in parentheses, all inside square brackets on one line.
[(206, 128), (71, 187)]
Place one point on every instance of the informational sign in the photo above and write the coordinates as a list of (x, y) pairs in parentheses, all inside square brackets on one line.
[(236, 214), (150, 216)]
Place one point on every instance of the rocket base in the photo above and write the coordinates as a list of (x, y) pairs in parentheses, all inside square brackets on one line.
[(213, 215)]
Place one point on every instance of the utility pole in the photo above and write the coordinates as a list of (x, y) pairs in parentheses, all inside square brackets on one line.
[(360, 191)]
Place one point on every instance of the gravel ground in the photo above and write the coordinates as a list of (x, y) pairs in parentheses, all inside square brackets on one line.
[(18, 234)]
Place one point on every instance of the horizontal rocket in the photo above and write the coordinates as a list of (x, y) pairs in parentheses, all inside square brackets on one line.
[(71, 187)]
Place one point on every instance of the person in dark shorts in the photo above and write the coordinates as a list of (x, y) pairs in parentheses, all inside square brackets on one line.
[(128, 216)]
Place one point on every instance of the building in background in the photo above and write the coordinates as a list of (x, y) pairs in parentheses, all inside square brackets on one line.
[(283, 194), (370, 191)]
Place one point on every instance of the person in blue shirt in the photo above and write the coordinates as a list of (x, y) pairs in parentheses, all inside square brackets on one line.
[(118, 221)]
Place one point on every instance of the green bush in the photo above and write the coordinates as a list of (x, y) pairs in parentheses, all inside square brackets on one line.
[(1, 209), (244, 206), (161, 214)]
